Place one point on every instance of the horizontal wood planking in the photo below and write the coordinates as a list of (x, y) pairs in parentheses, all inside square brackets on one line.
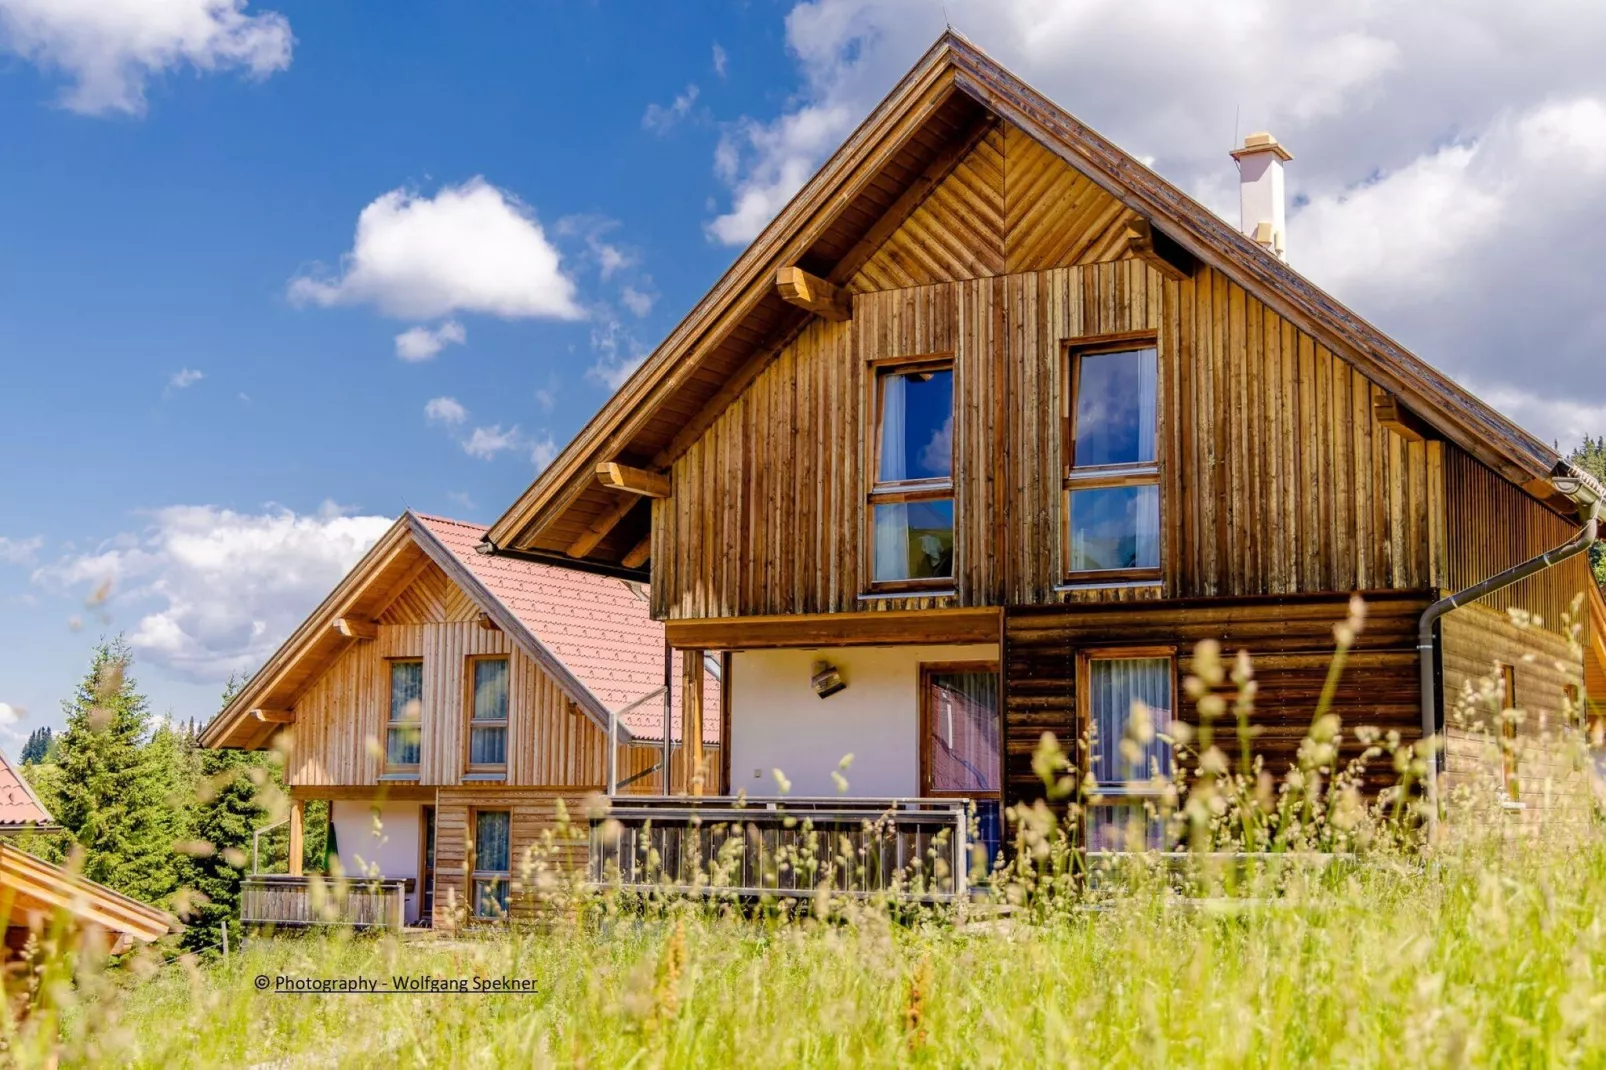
[(1276, 477), (1474, 641), (1493, 525), (339, 734), (1291, 643), (533, 813)]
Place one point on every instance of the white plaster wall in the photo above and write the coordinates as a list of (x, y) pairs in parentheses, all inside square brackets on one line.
[(391, 850), (778, 722)]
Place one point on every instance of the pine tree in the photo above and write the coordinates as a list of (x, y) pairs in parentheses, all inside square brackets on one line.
[(1591, 457), (37, 749), (117, 785)]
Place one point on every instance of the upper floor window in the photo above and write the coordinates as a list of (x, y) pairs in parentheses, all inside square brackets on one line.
[(912, 499), (403, 726), (487, 726), (1112, 468)]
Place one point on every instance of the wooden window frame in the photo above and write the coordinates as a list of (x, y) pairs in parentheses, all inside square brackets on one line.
[(928, 669), (909, 490), (1103, 477), (1508, 732), (391, 769), (426, 865), (469, 723), (1084, 699), (475, 874)]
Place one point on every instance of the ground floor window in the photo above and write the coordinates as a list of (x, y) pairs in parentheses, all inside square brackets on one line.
[(493, 855), (1125, 698)]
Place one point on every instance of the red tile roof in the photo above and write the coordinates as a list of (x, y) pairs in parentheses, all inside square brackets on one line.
[(19, 806), (601, 628)]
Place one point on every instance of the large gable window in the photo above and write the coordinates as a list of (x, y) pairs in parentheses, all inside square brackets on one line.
[(1112, 477), (912, 499)]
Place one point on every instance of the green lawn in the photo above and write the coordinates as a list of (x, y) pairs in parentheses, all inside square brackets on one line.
[(1494, 956)]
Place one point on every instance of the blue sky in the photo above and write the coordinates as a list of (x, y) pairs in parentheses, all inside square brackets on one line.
[(269, 193)]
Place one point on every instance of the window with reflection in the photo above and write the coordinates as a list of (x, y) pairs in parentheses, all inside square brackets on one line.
[(403, 727), (487, 726), (911, 501), (493, 862), (961, 746), (1112, 492)]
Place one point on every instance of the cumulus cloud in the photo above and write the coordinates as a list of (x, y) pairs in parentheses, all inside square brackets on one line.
[(636, 301), (20, 551), (721, 60), (216, 591), (486, 442), (664, 118), (423, 343), (111, 49), (469, 248), (185, 377), (1448, 151), (444, 410), (10, 715)]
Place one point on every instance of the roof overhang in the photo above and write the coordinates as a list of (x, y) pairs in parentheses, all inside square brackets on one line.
[(954, 90), (36, 889)]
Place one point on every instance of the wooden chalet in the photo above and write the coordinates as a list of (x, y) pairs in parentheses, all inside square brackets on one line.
[(42, 899), (445, 701), (992, 424)]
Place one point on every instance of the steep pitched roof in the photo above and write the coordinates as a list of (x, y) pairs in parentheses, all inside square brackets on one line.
[(35, 890), (832, 226), (20, 808), (593, 634)]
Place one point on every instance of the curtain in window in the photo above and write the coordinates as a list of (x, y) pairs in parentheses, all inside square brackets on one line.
[(894, 415), (1148, 362), (1114, 684), (492, 851), (406, 690), (1146, 528), (490, 690), (962, 751)]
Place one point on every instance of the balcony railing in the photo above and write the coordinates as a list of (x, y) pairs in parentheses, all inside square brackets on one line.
[(752, 848), (291, 902)]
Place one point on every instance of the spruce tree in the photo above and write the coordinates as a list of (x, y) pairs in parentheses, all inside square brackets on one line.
[(37, 749), (116, 784)]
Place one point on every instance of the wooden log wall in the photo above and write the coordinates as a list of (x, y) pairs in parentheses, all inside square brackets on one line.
[(1276, 477), (532, 814), (1475, 641), (339, 734), (1494, 525), (1291, 643)]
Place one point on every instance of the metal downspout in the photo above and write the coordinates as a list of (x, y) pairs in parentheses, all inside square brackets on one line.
[(1424, 635)]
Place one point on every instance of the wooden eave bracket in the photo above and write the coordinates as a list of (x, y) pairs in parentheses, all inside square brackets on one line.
[(487, 623), (356, 628), (1388, 411), (633, 480), (1159, 251), (269, 716), (638, 554), (813, 294)]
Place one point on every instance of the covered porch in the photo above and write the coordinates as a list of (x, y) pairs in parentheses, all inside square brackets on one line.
[(859, 752)]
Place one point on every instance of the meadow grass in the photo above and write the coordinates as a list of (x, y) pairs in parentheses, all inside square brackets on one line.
[(1493, 955)]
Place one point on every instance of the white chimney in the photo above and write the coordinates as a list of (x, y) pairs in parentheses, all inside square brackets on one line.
[(1260, 191)]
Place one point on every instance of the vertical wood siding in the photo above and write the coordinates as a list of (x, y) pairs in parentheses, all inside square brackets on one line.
[(339, 734), (1275, 476), (1494, 525), (533, 815)]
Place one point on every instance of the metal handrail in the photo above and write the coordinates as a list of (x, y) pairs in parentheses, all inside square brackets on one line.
[(256, 840)]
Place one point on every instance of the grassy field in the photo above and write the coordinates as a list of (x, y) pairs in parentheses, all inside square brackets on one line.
[(1494, 956)]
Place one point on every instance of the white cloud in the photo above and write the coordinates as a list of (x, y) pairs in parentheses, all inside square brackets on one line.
[(486, 442), (1450, 150), (542, 452), (470, 248), (445, 410), (20, 551), (636, 301), (721, 60), (185, 377), (619, 352), (216, 590), (111, 49), (10, 715), (422, 343), (663, 119)]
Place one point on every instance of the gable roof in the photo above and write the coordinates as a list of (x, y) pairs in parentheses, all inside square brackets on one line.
[(31, 890), (20, 808), (591, 633), (877, 178)]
